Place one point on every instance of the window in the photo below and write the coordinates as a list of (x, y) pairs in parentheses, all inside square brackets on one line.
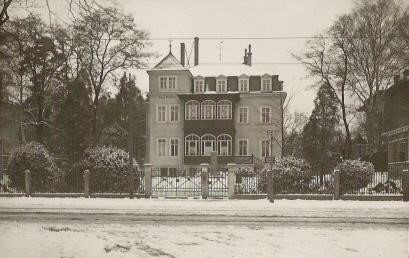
[(224, 145), (167, 83), (161, 113), (221, 85), (266, 85), (199, 86), (243, 147), (265, 148), (192, 110), (265, 115), (174, 113), (163, 82), (243, 85), (161, 147), (224, 109), (208, 144), (192, 145), (172, 82), (243, 115), (174, 147), (208, 110)]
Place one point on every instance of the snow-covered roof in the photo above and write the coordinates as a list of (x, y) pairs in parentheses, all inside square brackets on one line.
[(169, 62), (212, 70)]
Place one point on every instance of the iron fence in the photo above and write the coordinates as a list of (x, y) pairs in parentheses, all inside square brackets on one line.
[(218, 183), (251, 182), (378, 183), (7, 186), (182, 182)]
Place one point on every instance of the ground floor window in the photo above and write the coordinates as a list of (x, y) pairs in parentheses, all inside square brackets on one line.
[(161, 145), (243, 147), (192, 145), (208, 144), (265, 148), (224, 145)]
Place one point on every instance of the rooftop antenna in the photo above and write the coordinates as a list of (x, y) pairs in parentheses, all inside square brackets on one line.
[(170, 45), (220, 50)]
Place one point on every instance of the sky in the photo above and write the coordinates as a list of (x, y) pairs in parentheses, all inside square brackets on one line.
[(238, 19)]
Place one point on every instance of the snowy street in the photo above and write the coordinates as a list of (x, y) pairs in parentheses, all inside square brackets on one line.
[(79, 227)]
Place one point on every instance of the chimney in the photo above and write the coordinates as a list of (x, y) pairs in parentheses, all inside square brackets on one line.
[(196, 53), (182, 54), (249, 56), (245, 57)]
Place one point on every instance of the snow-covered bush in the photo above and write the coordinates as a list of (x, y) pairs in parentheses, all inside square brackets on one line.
[(292, 175), (34, 157), (355, 174), (108, 167)]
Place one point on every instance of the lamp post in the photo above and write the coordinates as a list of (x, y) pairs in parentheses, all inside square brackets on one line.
[(131, 175)]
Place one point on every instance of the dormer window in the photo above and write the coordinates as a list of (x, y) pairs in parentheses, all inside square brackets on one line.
[(221, 84), (266, 83), (167, 83), (243, 83), (199, 86)]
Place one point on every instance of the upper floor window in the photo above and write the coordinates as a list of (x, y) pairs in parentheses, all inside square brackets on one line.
[(243, 147), (161, 113), (243, 85), (208, 110), (192, 108), (199, 86), (192, 145), (174, 113), (265, 84), (167, 83), (224, 147), (224, 108), (174, 147), (243, 115), (208, 144), (221, 85), (265, 115)]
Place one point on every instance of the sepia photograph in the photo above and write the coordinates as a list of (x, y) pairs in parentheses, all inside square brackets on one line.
[(204, 128)]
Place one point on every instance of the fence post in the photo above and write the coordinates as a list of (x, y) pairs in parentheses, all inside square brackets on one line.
[(27, 179), (147, 168), (231, 179), (205, 180), (336, 184), (270, 189), (86, 183), (405, 185)]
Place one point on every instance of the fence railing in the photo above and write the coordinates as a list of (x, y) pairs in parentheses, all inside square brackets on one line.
[(251, 182), (176, 183), (379, 183)]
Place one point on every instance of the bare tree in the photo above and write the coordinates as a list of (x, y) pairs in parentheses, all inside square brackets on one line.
[(106, 40), (4, 16), (375, 55)]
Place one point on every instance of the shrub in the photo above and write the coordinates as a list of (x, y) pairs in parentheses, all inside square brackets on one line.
[(34, 157), (292, 175), (108, 167), (355, 174)]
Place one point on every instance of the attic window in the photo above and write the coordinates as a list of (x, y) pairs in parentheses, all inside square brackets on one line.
[(199, 86), (221, 85), (243, 84), (266, 84)]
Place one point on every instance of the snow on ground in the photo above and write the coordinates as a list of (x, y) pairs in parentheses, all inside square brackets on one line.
[(156, 240), (374, 209)]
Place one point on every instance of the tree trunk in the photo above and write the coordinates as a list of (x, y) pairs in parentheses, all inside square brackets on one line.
[(348, 140)]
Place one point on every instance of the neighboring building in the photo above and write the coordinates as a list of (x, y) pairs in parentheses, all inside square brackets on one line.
[(396, 123), (228, 109)]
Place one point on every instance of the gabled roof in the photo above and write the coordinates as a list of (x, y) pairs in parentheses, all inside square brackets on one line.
[(169, 62)]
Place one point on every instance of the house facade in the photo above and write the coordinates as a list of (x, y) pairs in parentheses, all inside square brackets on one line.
[(231, 110)]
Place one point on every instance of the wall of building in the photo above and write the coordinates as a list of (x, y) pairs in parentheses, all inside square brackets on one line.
[(164, 130), (183, 81), (255, 131)]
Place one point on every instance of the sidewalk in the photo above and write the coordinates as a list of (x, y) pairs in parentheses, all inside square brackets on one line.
[(280, 208)]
